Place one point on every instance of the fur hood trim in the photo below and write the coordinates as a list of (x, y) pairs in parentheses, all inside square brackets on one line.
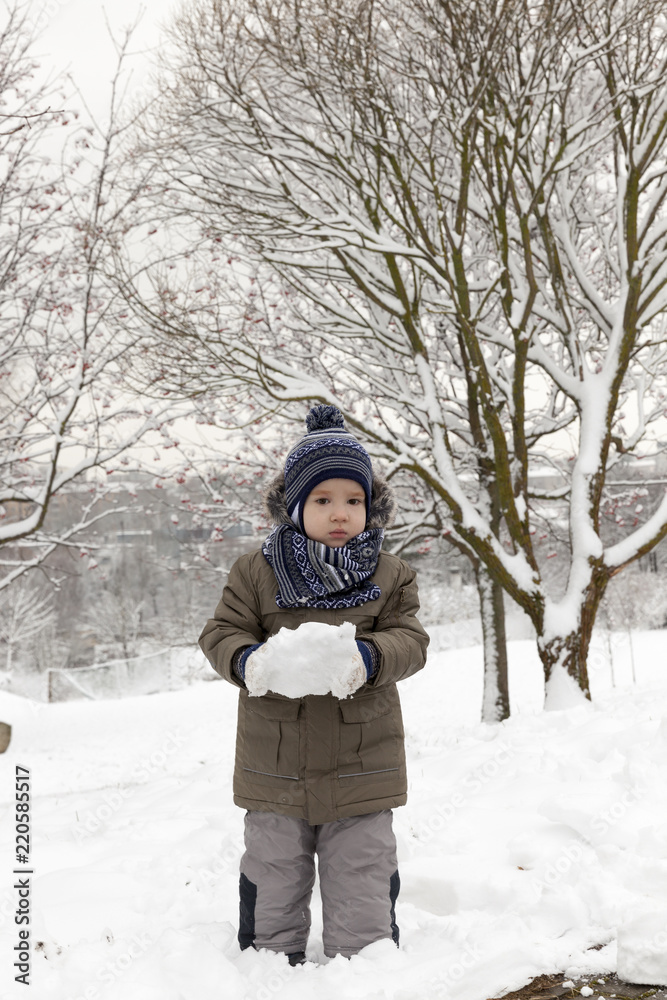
[(381, 514)]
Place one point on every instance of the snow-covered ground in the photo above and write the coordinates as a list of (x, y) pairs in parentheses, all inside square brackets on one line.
[(523, 846)]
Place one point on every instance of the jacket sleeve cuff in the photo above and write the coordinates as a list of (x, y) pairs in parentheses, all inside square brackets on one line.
[(370, 654), (240, 659)]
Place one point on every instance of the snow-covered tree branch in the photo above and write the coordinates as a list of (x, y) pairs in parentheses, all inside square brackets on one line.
[(448, 218), (63, 340)]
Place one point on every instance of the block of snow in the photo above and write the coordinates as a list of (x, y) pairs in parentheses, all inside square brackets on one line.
[(314, 658), (642, 946)]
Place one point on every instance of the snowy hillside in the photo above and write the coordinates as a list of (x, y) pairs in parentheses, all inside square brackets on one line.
[(522, 849)]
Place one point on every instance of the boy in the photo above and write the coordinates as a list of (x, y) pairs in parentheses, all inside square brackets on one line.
[(318, 774)]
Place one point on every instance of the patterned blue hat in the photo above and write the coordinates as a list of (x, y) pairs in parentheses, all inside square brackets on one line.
[(327, 451)]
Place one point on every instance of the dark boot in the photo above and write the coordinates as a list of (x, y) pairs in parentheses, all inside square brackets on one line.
[(297, 958)]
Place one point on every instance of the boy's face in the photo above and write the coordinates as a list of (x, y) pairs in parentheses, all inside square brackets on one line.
[(334, 512)]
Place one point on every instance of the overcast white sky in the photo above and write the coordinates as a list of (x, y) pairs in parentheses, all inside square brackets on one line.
[(74, 37)]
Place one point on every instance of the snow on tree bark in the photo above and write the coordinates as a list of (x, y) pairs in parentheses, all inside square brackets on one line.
[(495, 698)]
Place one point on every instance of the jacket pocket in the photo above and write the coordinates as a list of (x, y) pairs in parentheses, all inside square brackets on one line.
[(359, 617), (271, 737), (370, 735)]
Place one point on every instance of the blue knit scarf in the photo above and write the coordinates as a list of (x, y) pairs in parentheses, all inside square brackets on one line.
[(314, 575)]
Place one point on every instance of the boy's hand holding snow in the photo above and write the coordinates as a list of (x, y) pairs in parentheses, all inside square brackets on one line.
[(312, 659), (351, 677)]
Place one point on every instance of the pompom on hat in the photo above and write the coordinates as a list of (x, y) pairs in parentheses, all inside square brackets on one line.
[(324, 417), (327, 451)]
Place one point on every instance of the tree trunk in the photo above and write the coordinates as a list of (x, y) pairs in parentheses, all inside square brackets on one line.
[(565, 657), (565, 673), (495, 700)]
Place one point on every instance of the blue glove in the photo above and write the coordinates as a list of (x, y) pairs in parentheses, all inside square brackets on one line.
[(241, 658), (370, 656)]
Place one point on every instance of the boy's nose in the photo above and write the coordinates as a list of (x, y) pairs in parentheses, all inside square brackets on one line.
[(339, 515)]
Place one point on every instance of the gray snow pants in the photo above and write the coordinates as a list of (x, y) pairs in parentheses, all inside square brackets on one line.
[(358, 873)]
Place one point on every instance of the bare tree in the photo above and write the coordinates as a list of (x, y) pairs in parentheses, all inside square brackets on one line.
[(116, 623), (64, 414), (25, 611), (448, 218)]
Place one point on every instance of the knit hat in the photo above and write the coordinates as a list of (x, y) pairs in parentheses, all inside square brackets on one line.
[(327, 451)]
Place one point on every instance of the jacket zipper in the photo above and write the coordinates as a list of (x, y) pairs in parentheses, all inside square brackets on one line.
[(270, 774), (359, 774)]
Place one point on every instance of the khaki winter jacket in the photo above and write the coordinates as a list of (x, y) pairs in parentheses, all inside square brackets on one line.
[(319, 758)]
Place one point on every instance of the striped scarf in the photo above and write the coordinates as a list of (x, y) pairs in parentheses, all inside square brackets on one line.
[(314, 575)]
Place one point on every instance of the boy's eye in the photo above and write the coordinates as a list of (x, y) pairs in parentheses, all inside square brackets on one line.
[(354, 500), (321, 500)]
